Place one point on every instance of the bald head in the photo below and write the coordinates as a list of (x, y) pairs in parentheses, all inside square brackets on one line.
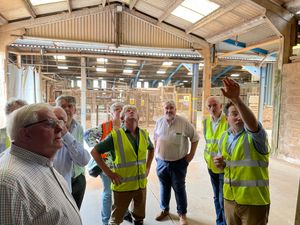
[(60, 113), (214, 106)]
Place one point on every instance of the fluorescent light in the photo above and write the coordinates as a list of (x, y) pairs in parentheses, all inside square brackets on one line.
[(161, 72), (95, 84), (62, 67), (201, 65), (78, 83), (41, 2), (185, 81), (103, 84), (127, 71), (141, 79), (190, 73), (187, 14), (131, 61), (235, 75), (138, 84), (167, 63), (59, 57), (146, 84), (298, 12), (121, 78), (101, 69), (102, 60)]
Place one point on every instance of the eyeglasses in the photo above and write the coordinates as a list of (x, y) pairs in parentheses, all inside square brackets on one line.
[(49, 122)]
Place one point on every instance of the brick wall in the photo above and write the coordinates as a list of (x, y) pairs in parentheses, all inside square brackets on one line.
[(289, 129)]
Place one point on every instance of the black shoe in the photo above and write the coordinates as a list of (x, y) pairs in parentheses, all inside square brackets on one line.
[(139, 222), (128, 217)]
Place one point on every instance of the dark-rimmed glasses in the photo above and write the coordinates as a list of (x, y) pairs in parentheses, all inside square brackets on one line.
[(49, 122)]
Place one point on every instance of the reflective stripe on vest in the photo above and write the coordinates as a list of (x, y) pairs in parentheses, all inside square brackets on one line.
[(247, 183), (212, 140), (133, 171), (246, 178)]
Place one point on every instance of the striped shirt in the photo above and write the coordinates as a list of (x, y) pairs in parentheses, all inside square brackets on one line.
[(33, 192)]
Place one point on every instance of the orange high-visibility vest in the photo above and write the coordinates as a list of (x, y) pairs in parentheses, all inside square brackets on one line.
[(107, 127)]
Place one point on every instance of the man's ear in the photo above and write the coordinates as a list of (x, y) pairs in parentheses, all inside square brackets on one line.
[(24, 134)]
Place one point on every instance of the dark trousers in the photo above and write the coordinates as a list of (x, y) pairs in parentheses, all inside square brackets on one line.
[(78, 189), (172, 174), (217, 181)]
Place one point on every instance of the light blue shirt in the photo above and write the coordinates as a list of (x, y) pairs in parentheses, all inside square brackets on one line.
[(72, 153), (259, 139)]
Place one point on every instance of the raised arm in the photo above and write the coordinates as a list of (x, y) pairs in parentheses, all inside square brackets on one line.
[(231, 90)]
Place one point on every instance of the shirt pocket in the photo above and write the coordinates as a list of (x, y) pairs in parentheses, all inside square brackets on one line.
[(177, 138)]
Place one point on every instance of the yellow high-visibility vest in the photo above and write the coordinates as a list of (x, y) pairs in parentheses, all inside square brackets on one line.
[(246, 176), (212, 138), (129, 165)]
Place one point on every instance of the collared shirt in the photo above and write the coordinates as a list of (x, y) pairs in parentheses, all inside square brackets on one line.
[(71, 153), (216, 123), (33, 192), (77, 132), (172, 140), (259, 139), (107, 145)]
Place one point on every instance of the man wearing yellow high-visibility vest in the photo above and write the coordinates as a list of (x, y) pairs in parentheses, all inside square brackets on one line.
[(132, 152), (11, 106), (213, 127), (245, 158)]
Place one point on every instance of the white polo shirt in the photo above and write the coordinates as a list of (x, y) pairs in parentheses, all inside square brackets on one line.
[(172, 141)]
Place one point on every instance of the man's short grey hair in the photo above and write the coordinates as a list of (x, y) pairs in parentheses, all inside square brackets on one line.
[(127, 107), (115, 105), (14, 104), (69, 99), (214, 97), (170, 102), (24, 116)]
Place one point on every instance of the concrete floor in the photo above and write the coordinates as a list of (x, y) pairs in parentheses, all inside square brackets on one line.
[(284, 179)]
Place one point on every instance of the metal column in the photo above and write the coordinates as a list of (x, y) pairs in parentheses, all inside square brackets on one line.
[(83, 93), (195, 82)]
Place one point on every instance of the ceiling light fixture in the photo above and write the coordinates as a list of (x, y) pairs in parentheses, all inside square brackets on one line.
[(62, 67), (59, 57), (167, 63), (102, 60), (161, 72), (127, 71), (235, 75), (101, 69)]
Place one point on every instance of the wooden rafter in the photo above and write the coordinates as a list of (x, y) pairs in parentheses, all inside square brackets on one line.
[(171, 8), (237, 29), (221, 11), (69, 6), (29, 8), (103, 3), (132, 4), (256, 45), (3, 20)]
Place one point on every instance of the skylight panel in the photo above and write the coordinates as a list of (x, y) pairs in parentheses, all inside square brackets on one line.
[(42, 2), (203, 7), (187, 14), (194, 10)]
